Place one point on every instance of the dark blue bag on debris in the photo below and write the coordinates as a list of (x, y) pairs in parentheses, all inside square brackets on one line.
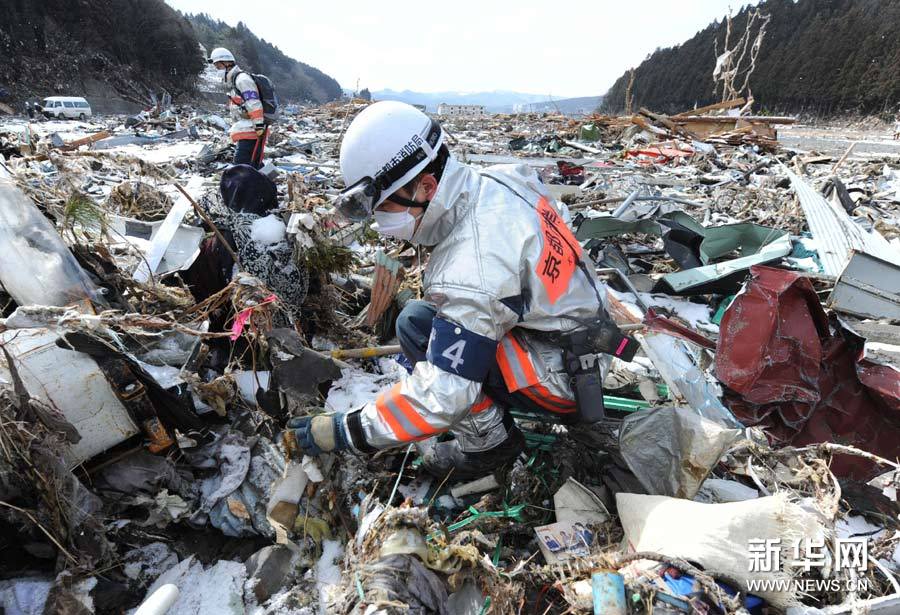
[(246, 190)]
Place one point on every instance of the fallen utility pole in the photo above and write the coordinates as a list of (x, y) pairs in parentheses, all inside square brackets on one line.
[(99, 136)]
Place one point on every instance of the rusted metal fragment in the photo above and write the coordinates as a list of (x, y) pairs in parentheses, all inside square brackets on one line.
[(788, 373)]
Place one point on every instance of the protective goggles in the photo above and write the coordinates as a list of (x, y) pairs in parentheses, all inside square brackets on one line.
[(357, 202)]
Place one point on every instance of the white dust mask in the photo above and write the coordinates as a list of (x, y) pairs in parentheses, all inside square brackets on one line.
[(399, 224)]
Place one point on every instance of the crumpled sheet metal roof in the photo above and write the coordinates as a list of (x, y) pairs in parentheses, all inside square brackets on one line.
[(786, 372), (835, 233)]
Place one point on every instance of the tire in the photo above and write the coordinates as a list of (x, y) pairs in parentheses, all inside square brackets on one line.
[(81, 116)]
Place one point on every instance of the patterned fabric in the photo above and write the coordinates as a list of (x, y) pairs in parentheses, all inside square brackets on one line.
[(274, 264)]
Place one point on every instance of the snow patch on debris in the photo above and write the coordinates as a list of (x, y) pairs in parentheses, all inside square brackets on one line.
[(328, 574), (160, 154), (282, 603), (356, 387), (696, 315), (267, 231), (25, 596), (214, 591)]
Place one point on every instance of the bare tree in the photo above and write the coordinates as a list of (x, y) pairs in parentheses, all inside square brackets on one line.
[(738, 61), (628, 94)]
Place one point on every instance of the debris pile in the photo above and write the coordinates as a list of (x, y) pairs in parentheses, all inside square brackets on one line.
[(165, 314)]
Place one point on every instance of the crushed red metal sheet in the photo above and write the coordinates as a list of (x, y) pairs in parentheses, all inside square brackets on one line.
[(787, 373), (567, 169), (769, 340)]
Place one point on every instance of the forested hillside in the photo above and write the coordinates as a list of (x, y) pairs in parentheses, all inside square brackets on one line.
[(134, 46), (293, 80), (818, 56)]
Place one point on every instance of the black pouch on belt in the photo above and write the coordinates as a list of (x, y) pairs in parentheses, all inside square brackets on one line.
[(580, 350)]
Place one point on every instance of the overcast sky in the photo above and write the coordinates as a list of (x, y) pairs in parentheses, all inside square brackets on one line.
[(561, 48)]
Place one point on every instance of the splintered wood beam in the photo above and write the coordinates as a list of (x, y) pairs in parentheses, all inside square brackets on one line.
[(97, 136), (728, 104)]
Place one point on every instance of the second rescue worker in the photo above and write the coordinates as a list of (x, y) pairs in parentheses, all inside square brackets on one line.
[(249, 131)]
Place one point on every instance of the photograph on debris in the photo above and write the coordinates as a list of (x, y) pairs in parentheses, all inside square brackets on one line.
[(274, 342)]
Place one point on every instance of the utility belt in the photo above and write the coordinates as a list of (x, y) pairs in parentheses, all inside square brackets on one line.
[(580, 349)]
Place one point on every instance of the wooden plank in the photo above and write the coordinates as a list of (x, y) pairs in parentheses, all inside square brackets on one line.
[(704, 129), (728, 104), (665, 121), (644, 124), (724, 119), (763, 129), (85, 141)]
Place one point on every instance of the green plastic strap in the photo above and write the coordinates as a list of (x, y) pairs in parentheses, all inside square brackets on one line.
[(624, 404), (511, 512)]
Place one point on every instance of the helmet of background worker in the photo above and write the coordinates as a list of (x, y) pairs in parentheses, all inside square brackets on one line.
[(385, 147), (220, 54)]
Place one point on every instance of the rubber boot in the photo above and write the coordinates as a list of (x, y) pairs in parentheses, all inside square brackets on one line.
[(438, 458)]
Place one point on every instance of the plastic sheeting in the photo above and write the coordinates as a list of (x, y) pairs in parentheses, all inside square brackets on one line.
[(799, 381), (719, 536), (681, 371), (37, 268), (672, 450)]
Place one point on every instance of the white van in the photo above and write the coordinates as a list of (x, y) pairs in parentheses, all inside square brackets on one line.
[(59, 107)]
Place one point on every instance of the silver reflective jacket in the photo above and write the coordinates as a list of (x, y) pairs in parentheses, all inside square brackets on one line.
[(496, 271)]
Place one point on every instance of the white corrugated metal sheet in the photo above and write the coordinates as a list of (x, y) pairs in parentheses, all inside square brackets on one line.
[(835, 233)]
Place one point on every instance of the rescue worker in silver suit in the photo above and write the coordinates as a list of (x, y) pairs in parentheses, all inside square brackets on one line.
[(504, 271)]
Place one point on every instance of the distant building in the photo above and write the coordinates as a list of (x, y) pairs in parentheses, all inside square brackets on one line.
[(461, 110)]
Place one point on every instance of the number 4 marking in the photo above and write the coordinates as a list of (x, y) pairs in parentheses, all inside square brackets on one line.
[(454, 353)]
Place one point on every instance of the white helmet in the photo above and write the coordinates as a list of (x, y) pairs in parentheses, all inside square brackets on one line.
[(385, 147), (220, 54)]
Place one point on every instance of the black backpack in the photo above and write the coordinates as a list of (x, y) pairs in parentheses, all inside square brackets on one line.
[(267, 96)]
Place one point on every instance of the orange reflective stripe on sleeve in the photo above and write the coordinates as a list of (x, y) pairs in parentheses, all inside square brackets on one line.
[(414, 417), (404, 421), (256, 114), (515, 364), (385, 412), (243, 136)]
